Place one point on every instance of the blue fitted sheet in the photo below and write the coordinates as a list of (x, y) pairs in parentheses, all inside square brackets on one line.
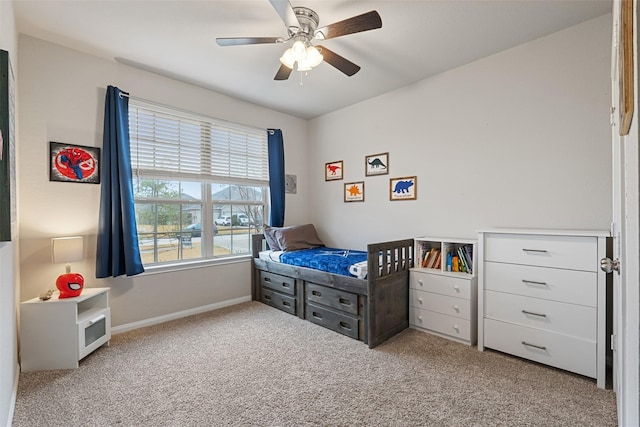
[(332, 260)]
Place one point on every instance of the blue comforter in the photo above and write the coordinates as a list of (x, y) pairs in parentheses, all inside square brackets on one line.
[(332, 260)]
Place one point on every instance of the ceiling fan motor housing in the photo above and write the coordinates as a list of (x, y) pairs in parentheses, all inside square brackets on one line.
[(308, 20)]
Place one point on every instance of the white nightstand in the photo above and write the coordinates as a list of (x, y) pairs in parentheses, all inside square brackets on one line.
[(58, 333)]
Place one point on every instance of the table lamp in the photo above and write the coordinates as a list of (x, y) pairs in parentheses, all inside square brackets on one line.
[(68, 249)]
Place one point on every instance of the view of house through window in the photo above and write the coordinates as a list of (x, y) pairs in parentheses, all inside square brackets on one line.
[(200, 187)]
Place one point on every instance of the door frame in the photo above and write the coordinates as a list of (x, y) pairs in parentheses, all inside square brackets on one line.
[(626, 233)]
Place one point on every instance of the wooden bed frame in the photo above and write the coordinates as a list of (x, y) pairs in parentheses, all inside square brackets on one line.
[(370, 310)]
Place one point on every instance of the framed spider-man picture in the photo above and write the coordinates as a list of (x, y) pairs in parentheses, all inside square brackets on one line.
[(74, 163)]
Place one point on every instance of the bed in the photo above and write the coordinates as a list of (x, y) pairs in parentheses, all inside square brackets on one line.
[(370, 307)]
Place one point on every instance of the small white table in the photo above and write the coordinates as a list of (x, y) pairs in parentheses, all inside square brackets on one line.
[(58, 333)]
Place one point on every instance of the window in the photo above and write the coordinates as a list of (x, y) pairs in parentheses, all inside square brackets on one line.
[(200, 184)]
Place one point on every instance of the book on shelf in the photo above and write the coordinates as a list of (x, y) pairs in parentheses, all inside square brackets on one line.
[(467, 252), (463, 261), (425, 257), (433, 257), (425, 249), (455, 266)]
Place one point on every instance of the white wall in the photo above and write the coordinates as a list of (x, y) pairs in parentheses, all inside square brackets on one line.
[(9, 289), (517, 139), (62, 99)]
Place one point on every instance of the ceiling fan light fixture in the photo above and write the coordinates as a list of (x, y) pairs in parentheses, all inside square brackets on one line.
[(287, 58), (314, 57), (299, 50), (305, 55)]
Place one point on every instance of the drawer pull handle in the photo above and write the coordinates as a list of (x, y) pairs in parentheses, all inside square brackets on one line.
[(419, 318), (316, 293), (420, 300), (539, 251), (344, 301), (534, 314), (420, 283), (286, 303), (456, 328), (267, 297), (97, 319), (316, 315), (345, 325), (457, 288), (285, 285), (267, 279), (541, 347), (456, 308), (531, 282)]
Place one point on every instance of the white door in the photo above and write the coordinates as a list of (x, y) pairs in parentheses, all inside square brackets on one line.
[(625, 232)]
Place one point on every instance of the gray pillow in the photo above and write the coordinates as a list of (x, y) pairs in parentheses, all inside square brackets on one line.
[(269, 236), (298, 237)]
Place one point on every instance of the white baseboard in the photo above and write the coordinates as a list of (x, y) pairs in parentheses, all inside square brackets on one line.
[(177, 315)]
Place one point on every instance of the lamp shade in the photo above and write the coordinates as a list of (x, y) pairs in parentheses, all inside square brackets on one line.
[(68, 249)]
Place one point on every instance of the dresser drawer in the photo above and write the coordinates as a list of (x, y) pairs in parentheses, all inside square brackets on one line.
[(441, 323), (443, 304), (281, 301), (339, 322), (278, 283), (576, 287), (569, 252), (562, 351), (440, 284), (334, 298), (569, 319)]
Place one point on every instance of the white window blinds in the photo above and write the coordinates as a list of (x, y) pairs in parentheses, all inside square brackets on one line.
[(180, 145)]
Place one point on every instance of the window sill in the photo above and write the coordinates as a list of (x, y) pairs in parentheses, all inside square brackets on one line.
[(189, 265)]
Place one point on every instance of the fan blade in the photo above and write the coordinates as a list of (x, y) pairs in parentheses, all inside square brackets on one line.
[(284, 9), (283, 73), (365, 22), (341, 63), (237, 41)]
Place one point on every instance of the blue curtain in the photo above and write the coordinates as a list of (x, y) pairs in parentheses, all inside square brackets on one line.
[(117, 252), (276, 176)]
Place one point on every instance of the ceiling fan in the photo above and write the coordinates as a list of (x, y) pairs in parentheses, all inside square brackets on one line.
[(302, 28)]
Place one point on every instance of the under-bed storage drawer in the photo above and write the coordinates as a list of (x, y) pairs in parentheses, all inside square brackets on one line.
[(278, 300), (278, 283), (339, 322), (334, 298)]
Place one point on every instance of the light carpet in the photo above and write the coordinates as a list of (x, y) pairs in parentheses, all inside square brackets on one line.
[(252, 365)]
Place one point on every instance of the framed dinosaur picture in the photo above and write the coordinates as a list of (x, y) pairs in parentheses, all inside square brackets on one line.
[(333, 170), (376, 164), (354, 191), (403, 188)]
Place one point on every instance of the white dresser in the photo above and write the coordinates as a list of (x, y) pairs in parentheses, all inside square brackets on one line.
[(542, 296)]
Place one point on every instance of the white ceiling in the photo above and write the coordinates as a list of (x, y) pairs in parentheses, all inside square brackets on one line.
[(418, 39)]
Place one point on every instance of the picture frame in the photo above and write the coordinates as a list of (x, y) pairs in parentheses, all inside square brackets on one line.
[(290, 184), (354, 191), (74, 163), (404, 188), (376, 164), (333, 170), (8, 210), (625, 66)]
